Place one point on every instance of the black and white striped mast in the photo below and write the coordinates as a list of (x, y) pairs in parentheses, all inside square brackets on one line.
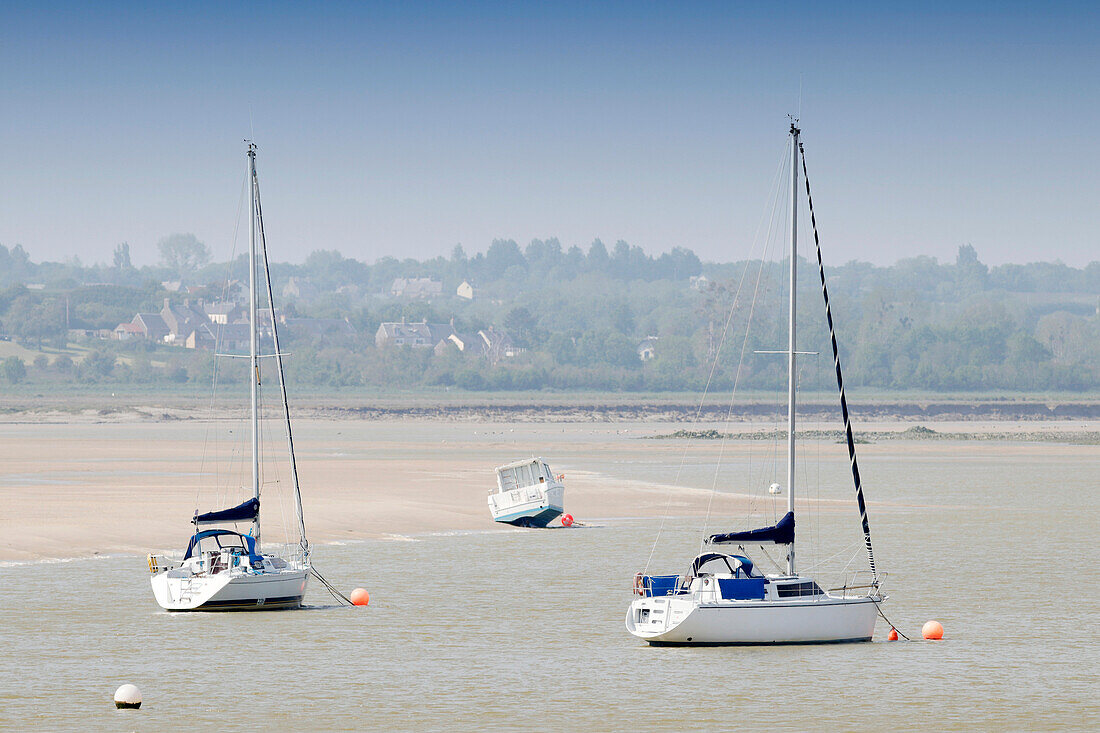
[(791, 338)]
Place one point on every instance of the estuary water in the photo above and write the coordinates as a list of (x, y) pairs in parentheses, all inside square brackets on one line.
[(523, 629)]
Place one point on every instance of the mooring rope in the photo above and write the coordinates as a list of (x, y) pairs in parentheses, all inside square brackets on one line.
[(840, 381), (878, 607), (330, 587)]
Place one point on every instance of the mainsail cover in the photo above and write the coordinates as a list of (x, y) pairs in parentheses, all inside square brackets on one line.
[(780, 533), (244, 512)]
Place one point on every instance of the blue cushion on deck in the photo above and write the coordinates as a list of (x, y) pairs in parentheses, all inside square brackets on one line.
[(741, 589)]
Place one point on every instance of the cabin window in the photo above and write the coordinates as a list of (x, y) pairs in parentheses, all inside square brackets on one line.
[(798, 590), (525, 475)]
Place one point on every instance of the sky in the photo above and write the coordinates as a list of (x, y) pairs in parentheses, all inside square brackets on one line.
[(402, 129)]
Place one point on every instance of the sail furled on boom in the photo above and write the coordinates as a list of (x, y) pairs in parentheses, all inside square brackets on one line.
[(840, 380), (780, 533), (246, 511)]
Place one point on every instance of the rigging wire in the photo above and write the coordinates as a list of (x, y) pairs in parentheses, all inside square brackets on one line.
[(302, 541), (840, 380), (736, 382), (212, 426), (710, 377)]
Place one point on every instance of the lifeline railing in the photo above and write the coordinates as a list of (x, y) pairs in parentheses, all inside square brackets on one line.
[(860, 580)]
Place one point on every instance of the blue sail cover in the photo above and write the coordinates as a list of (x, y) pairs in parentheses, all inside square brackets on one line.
[(245, 512), (781, 533)]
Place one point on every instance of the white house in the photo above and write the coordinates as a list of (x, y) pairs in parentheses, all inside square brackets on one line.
[(465, 290)]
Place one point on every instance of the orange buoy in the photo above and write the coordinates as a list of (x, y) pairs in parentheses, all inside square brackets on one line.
[(360, 597), (932, 630), (893, 635), (567, 520)]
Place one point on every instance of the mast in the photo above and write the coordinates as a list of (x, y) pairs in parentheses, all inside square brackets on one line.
[(791, 340), (253, 345)]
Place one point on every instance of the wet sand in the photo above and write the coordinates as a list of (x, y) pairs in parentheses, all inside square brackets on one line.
[(84, 488)]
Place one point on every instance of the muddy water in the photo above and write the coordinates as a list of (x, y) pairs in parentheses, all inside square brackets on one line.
[(524, 629)]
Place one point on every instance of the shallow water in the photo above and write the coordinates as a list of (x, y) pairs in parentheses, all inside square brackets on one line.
[(524, 628)]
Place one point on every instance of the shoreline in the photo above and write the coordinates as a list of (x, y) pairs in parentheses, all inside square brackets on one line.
[(540, 408)]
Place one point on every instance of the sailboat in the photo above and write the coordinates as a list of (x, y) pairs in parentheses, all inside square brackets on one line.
[(724, 598), (224, 569)]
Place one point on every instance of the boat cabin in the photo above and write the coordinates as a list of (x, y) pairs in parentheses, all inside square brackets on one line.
[(522, 474), (215, 550), (726, 578)]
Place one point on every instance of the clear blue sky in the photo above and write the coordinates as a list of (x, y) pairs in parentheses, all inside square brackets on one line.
[(402, 129)]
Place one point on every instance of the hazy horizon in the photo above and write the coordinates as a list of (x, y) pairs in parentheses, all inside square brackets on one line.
[(404, 131)]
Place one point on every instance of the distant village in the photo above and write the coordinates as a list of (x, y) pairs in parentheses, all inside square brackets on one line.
[(224, 324), (548, 317)]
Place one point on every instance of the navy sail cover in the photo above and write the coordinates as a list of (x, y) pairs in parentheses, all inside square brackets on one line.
[(244, 512), (781, 533)]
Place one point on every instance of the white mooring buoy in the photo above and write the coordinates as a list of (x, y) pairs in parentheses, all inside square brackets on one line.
[(128, 696)]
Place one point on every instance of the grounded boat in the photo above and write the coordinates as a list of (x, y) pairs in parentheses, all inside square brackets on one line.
[(724, 598), (528, 494), (223, 569)]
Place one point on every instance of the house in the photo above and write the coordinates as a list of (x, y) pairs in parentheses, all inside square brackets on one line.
[(698, 282), (300, 288), (416, 287), (420, 335), (182, 320), (223, 337), (498, 345), (647, 348), (172, 286), (466, 343), (127, 331), (147, 326), (465, 290), (223, 312)]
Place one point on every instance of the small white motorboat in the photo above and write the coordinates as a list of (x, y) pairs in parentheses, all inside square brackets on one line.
[(223, 569), (528, 494)]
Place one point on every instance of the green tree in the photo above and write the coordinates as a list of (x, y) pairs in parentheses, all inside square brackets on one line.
[(15, 371), (521, 325), (183, 254), (122, 257)]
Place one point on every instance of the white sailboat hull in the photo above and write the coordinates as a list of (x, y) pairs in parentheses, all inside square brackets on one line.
[(178, 591), (681, 620)]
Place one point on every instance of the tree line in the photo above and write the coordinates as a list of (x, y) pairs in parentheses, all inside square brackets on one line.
[(579, 317)]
